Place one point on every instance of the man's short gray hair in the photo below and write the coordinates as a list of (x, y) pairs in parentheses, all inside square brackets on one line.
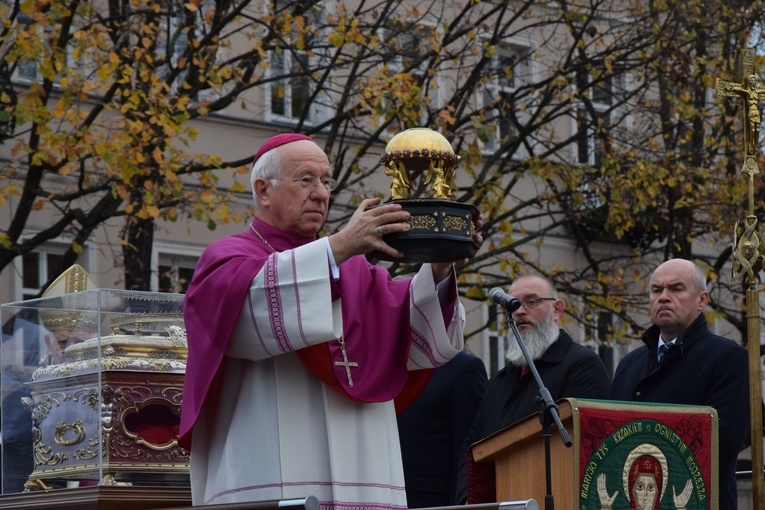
[(548, 283), (699, 278), (268, 166)]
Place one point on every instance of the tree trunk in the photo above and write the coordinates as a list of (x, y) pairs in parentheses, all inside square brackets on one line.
[(139, 236)]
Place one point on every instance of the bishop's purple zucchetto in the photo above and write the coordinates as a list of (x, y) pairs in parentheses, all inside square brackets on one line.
[(277, 141)]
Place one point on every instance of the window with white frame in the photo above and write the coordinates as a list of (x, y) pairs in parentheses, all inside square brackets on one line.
[(83, 57), (510, 69), (593, 123), (80, 56), (173, 266), (80, 59), (598, 337), (27, 70), (406, 48), (407, 45), (290, 90), (291, 93), (175, 274), (38, 267), (172, 43)]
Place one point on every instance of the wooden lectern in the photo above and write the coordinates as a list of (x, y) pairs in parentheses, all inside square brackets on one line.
[(617, 447)]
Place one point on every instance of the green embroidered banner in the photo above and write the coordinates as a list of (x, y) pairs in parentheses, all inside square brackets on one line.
[(646, 456)]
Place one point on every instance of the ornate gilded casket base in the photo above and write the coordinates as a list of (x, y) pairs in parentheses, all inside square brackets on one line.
[(129, 434), (441, 231)]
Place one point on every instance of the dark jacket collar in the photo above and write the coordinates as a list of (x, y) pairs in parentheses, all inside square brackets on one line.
[(556, 352), (685, 339)]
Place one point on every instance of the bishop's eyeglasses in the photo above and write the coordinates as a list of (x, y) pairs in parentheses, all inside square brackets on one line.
[(311, 181)]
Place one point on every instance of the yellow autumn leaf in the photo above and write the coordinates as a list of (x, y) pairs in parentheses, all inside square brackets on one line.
[(152, 211), (60, 109), (238, 187), (474, 293)]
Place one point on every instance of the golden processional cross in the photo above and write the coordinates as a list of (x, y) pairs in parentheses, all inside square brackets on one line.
[(749, 254), (748, 90)]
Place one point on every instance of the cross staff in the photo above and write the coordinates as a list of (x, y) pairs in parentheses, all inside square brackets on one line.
[(749, 255), (752, 94)]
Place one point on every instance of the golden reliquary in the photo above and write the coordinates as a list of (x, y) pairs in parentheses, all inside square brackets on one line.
[(422, 167)]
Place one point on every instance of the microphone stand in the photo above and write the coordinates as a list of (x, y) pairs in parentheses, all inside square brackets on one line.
[(549, 412)]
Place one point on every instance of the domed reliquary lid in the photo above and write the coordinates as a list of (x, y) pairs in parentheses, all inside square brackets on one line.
[(442, 230), (416, 150)]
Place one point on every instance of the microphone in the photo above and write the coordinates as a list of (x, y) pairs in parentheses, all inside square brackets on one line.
[(504, 299)]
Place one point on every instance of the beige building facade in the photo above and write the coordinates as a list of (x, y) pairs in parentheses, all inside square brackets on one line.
[(279, 105)]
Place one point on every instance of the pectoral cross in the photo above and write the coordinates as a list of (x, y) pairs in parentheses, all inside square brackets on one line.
[(345, 363), (751, 94)]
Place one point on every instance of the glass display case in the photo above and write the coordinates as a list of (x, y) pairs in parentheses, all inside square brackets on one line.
[(92, 384)]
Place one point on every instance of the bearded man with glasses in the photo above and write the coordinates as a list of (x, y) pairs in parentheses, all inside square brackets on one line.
[(567, 369)]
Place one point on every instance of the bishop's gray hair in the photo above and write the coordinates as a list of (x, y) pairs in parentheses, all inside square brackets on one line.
[(268, 166)]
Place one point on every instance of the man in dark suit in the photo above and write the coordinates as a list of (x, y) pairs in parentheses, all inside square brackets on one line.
[(433, 427), (567, 369), (697, 367)]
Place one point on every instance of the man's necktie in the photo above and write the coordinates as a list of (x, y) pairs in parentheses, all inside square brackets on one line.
[(663, 351)]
